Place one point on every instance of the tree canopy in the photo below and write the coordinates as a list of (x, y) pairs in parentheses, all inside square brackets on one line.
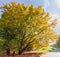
[(26, 27)]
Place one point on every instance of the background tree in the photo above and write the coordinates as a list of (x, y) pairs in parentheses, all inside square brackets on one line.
[(58, 43), (20, 24)]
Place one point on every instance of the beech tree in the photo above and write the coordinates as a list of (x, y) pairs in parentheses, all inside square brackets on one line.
[(25, 27)]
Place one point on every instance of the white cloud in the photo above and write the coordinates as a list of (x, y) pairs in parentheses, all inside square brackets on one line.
[(46, 3), (57, 2), (55, 15)]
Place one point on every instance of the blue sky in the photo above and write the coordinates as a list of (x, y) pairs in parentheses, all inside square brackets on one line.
[(51, 6)]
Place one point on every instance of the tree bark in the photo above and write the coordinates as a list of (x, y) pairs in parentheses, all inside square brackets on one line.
[(8, 51), (13, 53), (19, 52)]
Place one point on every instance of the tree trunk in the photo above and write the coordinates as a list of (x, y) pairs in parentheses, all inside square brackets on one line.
[(13, 53), (19, 52), (8, 51)]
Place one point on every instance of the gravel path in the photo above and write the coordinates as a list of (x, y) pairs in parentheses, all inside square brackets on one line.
[(51, 54)]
